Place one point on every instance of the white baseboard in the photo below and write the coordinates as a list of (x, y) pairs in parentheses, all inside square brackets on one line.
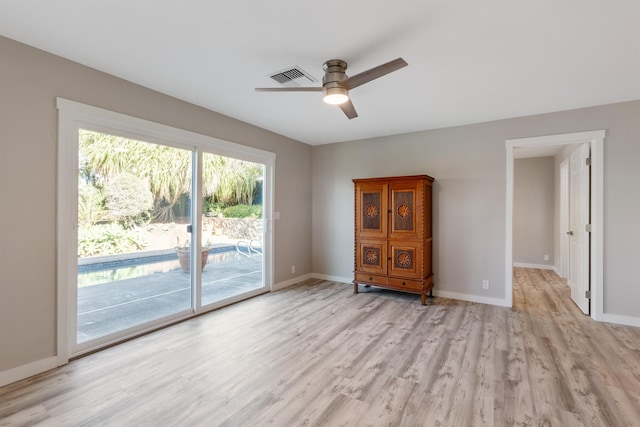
[(291, 282), (471, 298), (621, 319), (556, 269), (30, 369), (611, 318), (537, 266), (340, 279), (437, 293)]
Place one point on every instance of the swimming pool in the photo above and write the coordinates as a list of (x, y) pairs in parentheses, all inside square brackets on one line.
[(112, 270)]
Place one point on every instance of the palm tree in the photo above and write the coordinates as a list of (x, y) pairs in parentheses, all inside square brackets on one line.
[(230, 181), (167, 169)]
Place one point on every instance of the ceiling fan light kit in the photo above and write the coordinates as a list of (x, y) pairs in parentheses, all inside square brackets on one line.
[(335, 95), (336, 84)]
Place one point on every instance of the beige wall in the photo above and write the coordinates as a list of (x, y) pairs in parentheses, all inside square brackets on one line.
[(469, 165), (30, 81), (469, 188), (533, 210)]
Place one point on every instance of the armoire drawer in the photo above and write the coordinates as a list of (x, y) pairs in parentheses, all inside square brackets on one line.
[(411, 285), (371, 278)]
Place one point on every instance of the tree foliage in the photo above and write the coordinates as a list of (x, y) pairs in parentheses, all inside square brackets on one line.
[(128, 198), (230, 181), (166, 170), (91, 204)]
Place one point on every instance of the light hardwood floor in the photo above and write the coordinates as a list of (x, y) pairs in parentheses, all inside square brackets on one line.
[(316, 354)]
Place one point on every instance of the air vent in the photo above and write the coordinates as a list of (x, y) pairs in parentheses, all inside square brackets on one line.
[(292, 77)]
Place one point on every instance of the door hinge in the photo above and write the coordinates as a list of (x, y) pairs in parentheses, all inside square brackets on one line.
[(587, 161), (587, 228), (587, 294)]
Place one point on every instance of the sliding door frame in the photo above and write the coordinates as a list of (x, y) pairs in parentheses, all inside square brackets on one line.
[(73, 116)]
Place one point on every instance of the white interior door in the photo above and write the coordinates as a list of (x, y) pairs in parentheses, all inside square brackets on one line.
[(563, 270), (579, 191)]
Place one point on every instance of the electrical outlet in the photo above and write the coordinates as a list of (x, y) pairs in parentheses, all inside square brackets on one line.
[(485, 284), (546, 257), (293, 269)]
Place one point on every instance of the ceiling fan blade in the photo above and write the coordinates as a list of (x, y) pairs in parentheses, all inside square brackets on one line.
[(348, 109), (373, 73), (288, 89)]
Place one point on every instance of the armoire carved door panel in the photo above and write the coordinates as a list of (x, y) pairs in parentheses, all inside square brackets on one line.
[(371, 209), (406, 210), (405, 259), (372, 256)]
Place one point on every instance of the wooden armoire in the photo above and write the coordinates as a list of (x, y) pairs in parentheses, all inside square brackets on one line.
[(393, 234)]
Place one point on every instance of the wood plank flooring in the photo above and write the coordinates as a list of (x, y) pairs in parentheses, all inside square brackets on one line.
[(318, 355)]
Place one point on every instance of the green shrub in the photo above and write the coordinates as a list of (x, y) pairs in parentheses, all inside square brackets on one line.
[(107, 239), (128, 198), (91, 204), (211, 208), (243, 211)]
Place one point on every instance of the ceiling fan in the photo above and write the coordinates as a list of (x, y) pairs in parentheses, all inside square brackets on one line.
[(336, 84)]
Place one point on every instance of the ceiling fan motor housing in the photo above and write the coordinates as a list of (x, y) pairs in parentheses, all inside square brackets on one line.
[(334, 73)]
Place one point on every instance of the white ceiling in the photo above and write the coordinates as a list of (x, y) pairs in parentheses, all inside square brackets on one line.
[(469, 61)]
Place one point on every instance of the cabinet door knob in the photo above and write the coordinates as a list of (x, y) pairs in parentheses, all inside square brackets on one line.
[(404, 284), (370, 278)]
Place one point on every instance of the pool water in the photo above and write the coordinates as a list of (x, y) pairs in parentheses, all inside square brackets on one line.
[(99, 275)]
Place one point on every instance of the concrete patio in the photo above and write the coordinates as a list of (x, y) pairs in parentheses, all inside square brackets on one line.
[(117, 305)]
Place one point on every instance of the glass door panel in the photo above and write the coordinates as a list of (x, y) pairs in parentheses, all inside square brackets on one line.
[(133, 212), (232, 227)]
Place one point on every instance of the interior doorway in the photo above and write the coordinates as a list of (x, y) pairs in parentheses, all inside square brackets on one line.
[(595, 139)]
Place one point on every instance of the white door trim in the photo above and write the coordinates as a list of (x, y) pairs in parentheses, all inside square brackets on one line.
[(596, 140)]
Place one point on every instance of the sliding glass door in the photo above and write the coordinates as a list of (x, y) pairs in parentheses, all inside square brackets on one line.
[(232, 225), (133, 242), (137, 263), (161, 230), (155, 225)]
